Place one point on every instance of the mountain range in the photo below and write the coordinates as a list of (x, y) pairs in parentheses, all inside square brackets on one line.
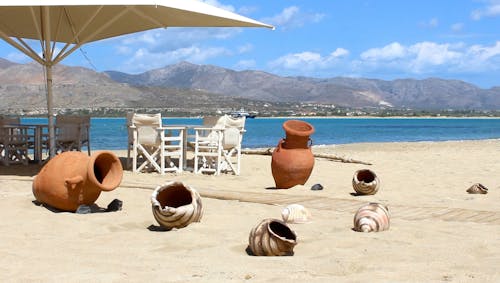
[(190, 85)]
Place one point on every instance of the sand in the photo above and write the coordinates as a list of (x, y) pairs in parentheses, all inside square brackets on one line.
[(438, 233)]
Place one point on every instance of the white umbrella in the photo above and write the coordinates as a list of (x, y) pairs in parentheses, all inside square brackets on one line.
[(81, 22)]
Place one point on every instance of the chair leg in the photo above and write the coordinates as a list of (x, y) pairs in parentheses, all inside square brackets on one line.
[(134, 160), (128, 157)]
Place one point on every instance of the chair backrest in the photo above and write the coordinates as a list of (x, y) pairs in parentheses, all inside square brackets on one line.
[(147, 125), (72, 127), (8, 135), (210, 121), (233, 130), (10, 120)]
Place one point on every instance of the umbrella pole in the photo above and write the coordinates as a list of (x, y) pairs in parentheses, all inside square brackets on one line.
[(50, 111)]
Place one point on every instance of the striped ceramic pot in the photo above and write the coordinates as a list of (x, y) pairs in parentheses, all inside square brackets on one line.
[(365, 182), (176, 205), (372, 217), (272, 237)]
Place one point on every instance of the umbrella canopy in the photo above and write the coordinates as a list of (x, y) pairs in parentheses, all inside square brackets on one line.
[(80, 22)]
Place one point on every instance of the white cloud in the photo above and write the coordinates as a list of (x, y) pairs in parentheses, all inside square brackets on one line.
[(298, 60), (308, 61), (428, 54), (339, 52), (419, 59), (176, 37), (485, 52), (388, 52), (292, 17), (491, 10)]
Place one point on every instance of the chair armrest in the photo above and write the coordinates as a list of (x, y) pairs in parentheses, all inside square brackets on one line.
[(172, 128)]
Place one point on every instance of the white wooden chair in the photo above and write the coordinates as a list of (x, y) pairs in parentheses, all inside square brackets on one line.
[(14, 142), (234, 128), (207, 149), (72, 133), (218, 146), (154, 146)]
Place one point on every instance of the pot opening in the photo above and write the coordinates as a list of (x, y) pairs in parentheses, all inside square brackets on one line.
[(297, 127), (107, 170), (175, 195), (366, 176), (282, 230)]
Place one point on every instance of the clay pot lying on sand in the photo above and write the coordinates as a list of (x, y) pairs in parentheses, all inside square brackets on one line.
[(72, 178), (272, 237), (292, 160), (365, 182), (176, 205)]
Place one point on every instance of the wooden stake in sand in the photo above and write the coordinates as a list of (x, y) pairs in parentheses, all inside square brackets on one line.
[(333, 157)]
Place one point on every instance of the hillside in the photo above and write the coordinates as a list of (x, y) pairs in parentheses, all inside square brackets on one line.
[(432, 93), (196, 87)]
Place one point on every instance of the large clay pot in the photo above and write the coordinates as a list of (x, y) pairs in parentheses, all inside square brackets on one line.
[(292, 160), (73, 178)]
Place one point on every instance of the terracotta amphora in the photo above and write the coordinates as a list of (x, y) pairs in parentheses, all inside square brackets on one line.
[(292, 159), (73, 178)]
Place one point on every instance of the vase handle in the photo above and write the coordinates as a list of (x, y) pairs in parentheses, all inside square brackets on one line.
[(310, 142), (280, 143), (72, 182)]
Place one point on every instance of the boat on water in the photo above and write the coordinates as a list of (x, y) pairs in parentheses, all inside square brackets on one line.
[(243, 113)]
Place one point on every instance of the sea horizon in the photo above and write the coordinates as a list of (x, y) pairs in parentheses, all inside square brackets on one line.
[(263, 132)]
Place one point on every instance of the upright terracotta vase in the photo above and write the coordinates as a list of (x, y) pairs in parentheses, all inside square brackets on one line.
[(292, 160), (73, 178)]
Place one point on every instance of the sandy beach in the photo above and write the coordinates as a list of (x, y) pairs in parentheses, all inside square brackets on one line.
[(438, 233)]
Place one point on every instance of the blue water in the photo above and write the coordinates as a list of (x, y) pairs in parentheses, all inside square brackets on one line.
[(111, 133)]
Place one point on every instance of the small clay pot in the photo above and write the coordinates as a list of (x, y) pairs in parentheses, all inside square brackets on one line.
[(176, 205), (365, 182), (72, 178), (272, 237)]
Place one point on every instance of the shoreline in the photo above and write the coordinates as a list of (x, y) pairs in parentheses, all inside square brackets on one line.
[(308, 117)]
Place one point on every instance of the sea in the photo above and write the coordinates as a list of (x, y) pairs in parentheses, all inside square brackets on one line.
[(111, 133)]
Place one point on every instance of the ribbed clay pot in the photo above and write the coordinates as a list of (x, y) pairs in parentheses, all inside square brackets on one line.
[(73, 178), (372, 217), (176, 205), (272, 237), (292, 160), (365, 182)]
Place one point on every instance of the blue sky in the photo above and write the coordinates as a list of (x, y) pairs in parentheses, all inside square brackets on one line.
[(383, 39)]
